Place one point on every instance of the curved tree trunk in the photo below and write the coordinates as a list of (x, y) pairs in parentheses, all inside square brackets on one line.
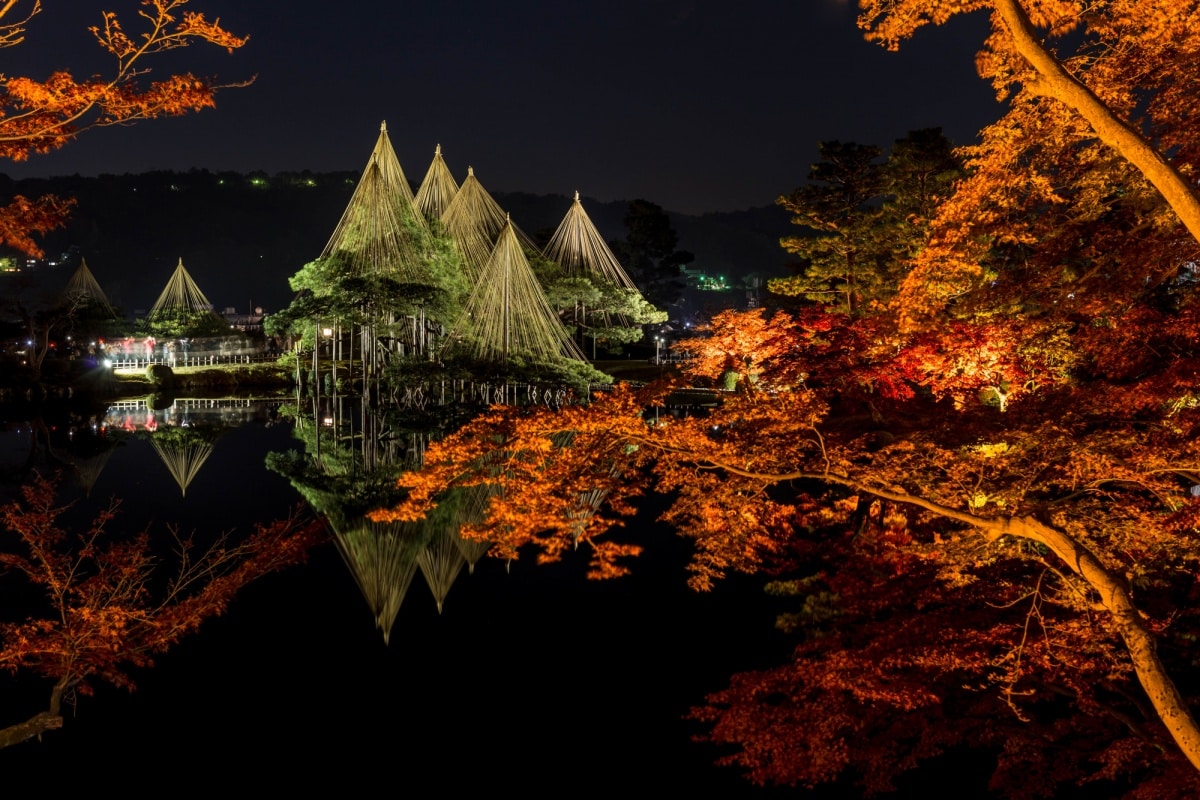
[(1061, 85), (1172, 709), (1168, 703), (39, 723)]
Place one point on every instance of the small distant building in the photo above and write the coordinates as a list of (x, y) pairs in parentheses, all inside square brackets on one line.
[(246, 323)]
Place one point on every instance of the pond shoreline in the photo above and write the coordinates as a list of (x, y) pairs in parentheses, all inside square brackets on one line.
[(239, 378)]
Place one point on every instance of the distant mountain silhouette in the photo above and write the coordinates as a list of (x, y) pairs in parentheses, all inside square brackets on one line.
[(241, 236)]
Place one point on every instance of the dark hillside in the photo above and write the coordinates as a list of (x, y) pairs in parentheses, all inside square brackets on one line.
[(242, 236)]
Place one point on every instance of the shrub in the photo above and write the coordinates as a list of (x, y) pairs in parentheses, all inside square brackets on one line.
[(161, 376)]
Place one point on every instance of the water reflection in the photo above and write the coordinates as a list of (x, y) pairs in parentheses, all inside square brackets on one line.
[(300, 662), (352, 456), (183, 432), (383, 557)]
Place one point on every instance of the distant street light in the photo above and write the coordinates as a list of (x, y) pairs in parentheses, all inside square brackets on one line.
[(658, 340)]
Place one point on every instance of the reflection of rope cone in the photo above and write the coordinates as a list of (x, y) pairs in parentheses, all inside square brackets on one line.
[(89, 469), (440, 563), (472, 549), (183, 461), (585, 507), (380, 557)]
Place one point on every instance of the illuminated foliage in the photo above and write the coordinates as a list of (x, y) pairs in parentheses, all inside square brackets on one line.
[(104, 604), (983, 496), (38, 116), (971, 507)]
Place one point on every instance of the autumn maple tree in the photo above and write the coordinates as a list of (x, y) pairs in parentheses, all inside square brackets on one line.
[(983, 498), (38, 115), (92, 606)]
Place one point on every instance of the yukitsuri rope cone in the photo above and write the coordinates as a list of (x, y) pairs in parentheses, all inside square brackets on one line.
[(85, 289), (373, 235), (393, 174), (507, 312), (474, 221), (438, 188), (181, 294), (580, 250)]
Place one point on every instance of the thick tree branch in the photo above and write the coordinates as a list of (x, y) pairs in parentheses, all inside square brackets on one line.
[(1056, 82), (48, 720), (1139, 641)]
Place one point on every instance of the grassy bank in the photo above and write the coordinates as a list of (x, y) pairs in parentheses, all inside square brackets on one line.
[(225, 378), (272, 377)]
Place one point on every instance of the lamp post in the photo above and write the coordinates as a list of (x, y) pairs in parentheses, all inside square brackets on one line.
[(328, 334), (658, 340)]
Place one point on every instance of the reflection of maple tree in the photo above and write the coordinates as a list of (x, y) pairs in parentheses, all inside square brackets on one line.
[(105, 604), (982, 497), (37, 116)]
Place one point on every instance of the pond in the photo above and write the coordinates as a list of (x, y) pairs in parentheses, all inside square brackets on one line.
[(530, 678)]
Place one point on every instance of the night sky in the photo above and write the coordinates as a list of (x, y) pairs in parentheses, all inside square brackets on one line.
[(697, 105)]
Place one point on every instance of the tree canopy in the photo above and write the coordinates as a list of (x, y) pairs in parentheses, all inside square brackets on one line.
[(38, 115), (981, 493)]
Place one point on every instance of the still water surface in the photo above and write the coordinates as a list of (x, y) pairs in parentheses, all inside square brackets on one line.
[(531, 678)]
